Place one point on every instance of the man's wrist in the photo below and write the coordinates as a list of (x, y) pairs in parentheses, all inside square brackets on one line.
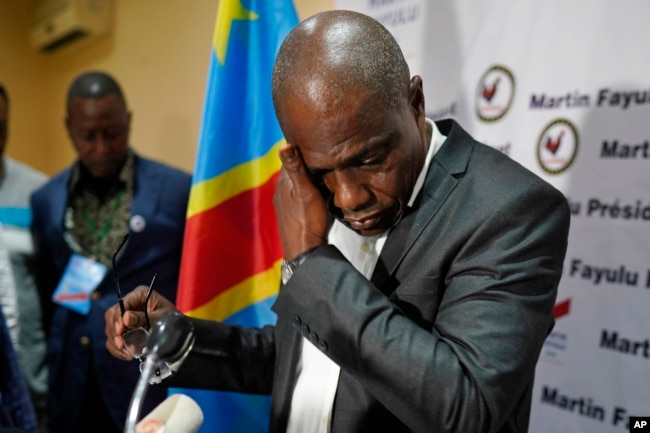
[(287, 268)]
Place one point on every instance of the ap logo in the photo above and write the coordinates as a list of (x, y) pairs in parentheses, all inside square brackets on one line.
[(640, 424)]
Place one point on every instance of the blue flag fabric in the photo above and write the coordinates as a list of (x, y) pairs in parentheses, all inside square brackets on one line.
[(231, 250)]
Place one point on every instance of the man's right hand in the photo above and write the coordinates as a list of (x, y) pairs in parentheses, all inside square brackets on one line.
[(116, 324), (301, 210)]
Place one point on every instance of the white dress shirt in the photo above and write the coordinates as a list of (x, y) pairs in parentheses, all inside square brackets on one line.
[(317, 375)]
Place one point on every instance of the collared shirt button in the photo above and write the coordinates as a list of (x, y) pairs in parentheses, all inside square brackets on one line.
[(304, 329), (296, 322), (313, 337), (84, 341), (96, 295), (322, 345)]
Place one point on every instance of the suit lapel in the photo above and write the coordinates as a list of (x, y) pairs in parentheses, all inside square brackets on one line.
[(62, 190), (449, 163), (392, 251), (147, 190)]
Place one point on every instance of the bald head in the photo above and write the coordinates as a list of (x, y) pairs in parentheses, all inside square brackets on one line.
[(94, 85), (331, 53)]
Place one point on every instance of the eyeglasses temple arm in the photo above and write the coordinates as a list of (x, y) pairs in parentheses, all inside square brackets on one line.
[(146, 298), (116, 280)]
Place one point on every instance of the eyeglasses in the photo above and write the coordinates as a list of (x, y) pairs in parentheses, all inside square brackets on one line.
[(134, 339)]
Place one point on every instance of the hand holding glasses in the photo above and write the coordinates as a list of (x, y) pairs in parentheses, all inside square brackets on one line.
[(135, 340)]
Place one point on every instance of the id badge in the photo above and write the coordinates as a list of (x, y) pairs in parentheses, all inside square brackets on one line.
[(81, 277)]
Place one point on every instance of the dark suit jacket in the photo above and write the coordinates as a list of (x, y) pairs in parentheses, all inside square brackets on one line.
[(160, 197), (16, 408), (446, 336)]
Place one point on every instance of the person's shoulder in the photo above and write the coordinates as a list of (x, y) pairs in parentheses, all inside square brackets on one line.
[(491, 168), (24, 173), (161, 167), (20, 181), (52, 185)]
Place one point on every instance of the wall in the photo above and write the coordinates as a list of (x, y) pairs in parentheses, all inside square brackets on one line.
[(159, 51), (22, 72)]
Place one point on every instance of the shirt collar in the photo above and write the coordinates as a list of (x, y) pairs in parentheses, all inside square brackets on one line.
[(435, 142)]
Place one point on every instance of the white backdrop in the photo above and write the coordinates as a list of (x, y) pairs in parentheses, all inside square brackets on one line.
[(564, 88)]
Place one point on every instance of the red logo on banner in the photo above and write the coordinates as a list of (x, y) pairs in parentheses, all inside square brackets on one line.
[(494, 94), (557, 146), (489, 91), (562, 308), (553, 144)]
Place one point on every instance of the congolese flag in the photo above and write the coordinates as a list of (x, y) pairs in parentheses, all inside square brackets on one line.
[(232, 251)]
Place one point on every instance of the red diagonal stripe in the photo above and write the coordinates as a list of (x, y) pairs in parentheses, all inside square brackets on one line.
[(227, 244)]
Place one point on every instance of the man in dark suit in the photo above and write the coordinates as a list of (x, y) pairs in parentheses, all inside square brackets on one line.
[(421, 267), (80, 217)]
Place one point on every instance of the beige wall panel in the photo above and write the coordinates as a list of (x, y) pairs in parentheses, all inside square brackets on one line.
[(23, 73), (157, 49)]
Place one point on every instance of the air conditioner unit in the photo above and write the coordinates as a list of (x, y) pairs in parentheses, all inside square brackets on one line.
[(59, 23)]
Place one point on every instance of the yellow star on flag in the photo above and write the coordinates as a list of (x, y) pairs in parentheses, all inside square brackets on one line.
[(229, 10)]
